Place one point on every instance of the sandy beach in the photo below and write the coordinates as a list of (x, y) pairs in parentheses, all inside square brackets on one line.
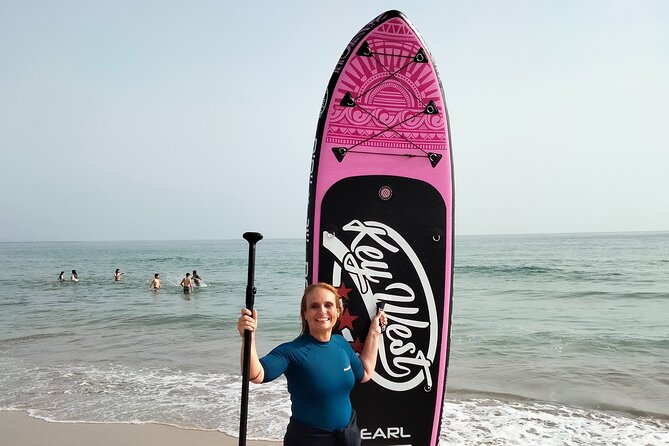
[(18, 429)]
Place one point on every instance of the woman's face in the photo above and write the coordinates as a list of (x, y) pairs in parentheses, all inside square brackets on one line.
[(321, 313)]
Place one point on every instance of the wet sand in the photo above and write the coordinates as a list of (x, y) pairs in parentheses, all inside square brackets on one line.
[(18, 429)]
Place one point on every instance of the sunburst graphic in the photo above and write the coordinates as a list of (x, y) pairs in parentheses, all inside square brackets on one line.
[(391, 92)]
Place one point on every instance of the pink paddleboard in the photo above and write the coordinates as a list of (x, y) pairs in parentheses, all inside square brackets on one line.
[(380, 223)]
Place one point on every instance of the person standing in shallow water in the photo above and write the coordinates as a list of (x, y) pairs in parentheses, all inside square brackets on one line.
[(74, 277), (186, 282), (117, 275), (155, 283), (61, 276), (196, 278), (321, 369)]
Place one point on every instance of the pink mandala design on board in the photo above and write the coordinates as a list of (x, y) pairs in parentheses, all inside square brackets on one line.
[(391, 93)]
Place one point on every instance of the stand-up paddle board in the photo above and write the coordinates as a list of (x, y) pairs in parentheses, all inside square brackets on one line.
[(380, 223)]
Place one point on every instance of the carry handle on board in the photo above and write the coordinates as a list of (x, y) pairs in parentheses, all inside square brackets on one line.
[(252, 238)]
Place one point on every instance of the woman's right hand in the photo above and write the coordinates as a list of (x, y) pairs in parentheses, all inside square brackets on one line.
[(247, 321)]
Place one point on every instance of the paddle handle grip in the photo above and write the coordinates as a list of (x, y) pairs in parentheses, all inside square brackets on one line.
[(379, 307)]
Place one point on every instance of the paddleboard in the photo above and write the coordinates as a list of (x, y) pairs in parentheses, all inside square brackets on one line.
[(380, 223)]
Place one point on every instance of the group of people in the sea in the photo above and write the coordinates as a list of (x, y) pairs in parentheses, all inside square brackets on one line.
[(74, 277), (188, 282)]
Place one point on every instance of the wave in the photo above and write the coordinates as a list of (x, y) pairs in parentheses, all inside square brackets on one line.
[(651, 345), (468, 394), (610, 275), (476, 421), (183, 259), (112, 392), (617, 294), (150, 320), (501, 270), (466, 421), (31, 338)]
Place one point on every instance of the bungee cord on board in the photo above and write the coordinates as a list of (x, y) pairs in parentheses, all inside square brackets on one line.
[(350, 101)]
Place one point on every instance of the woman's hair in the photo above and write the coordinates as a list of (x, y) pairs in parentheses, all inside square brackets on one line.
[(303, 304)]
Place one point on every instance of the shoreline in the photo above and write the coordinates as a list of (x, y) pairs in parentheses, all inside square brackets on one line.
[(20, 429)]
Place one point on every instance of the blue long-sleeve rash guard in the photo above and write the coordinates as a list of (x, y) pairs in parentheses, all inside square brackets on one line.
[(320, 378)]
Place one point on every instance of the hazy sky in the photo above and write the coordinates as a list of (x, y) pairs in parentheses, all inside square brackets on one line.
[(195, 119)]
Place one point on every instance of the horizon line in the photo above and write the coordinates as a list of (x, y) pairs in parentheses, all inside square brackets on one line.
[(510, 234)]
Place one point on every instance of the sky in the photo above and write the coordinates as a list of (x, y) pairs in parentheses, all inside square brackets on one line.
[(161, 120)]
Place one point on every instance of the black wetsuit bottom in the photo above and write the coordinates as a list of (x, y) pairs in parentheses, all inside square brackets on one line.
[(300, 434)]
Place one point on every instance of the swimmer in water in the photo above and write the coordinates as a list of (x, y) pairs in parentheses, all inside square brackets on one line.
[(74, 277), (196, 278), (117, 275), (155, 283), (187, 283), (61, 277)]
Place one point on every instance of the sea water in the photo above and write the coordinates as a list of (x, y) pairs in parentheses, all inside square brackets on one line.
[(556, 339)]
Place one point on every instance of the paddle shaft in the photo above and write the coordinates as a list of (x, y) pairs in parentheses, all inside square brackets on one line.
[(252, 238)]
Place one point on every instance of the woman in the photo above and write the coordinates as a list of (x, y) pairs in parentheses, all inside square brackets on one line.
[(117, 275), (321, 369), (74, 277)]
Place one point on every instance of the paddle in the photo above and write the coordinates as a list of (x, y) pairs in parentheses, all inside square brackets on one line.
[(252, 238)]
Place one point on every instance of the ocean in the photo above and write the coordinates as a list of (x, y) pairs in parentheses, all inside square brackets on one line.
[(556, 339)]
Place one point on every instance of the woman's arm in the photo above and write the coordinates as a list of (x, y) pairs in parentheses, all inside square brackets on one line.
[(371, 349), (249, 322)]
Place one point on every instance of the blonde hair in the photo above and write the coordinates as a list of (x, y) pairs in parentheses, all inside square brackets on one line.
[(303, 303)]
